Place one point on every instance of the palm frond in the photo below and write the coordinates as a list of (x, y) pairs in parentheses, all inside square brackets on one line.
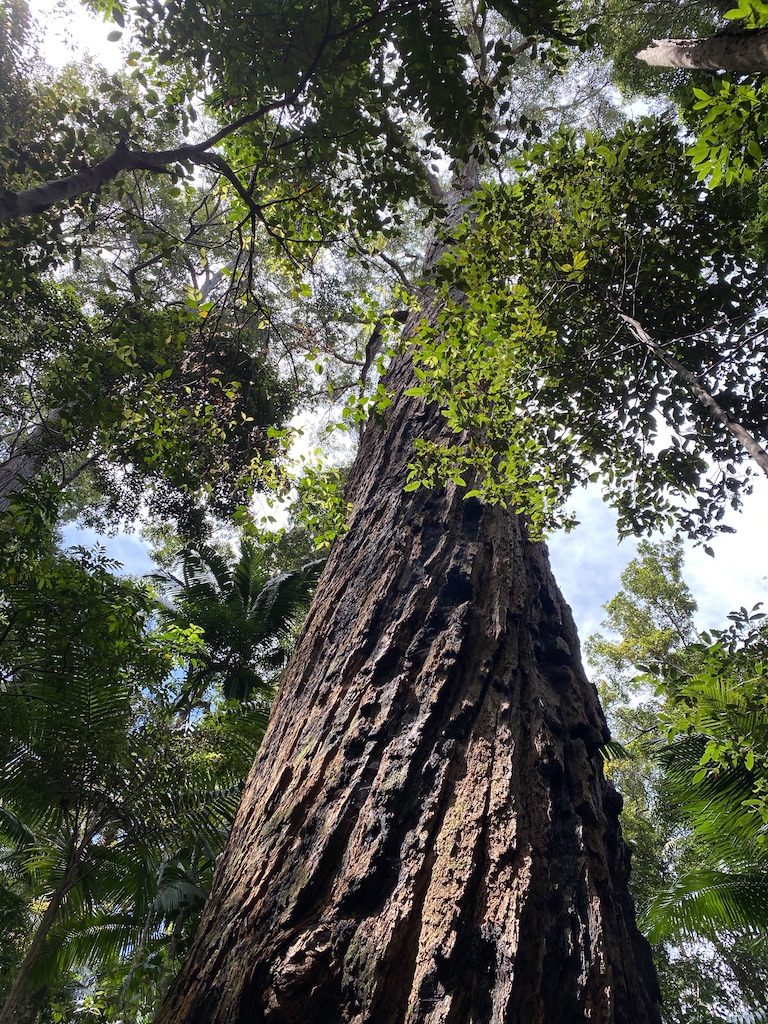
[(717, 803), (281, 597), (15, 830), (707, 903)]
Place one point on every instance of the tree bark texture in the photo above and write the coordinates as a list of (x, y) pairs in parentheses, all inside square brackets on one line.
[(426, 835), (29, 1006), (743, 52)]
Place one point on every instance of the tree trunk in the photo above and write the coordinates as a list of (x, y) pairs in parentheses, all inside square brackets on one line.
[(35, 452), (21, 1000), (743, 52), (426, 835), (22, 465), (29, 1005)]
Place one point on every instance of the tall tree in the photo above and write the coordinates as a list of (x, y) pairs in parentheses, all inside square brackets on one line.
[(695, 811), (427, 835)]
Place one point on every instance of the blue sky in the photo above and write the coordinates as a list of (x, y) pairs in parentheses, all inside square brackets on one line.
[(589, 561)]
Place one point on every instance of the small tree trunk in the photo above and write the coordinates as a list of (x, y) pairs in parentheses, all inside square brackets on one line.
[(26, 458), (743, 52), (20, 999), (29, 1005), (426, 835)]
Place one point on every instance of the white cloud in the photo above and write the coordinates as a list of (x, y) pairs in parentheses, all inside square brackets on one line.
[(589, 561)]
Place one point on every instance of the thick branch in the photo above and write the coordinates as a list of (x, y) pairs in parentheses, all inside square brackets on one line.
[(707, 399), (26, 203), (743, 52), (14, 205)]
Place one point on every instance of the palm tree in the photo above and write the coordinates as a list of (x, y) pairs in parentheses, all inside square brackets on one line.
[(111, 816), (248, 617), (716, 772)]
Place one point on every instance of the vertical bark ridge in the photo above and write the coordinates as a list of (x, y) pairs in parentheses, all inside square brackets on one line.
[(426, 837)]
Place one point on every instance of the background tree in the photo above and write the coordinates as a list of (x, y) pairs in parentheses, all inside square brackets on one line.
[(113, 806), (698, 873), (247, 618)]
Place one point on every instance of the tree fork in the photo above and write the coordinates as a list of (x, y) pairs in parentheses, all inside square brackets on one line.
[(426, 835)]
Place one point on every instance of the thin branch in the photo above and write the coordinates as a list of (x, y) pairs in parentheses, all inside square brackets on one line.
[(707, 399)]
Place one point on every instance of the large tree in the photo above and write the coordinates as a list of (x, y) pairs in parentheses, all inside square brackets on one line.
[(427, 834)]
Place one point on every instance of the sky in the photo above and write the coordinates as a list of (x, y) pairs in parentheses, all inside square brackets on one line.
[(587, 562)]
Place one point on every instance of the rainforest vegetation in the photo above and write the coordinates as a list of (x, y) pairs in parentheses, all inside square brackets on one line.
[(336, 304)]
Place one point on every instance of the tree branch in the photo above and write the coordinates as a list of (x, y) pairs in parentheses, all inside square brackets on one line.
[(707, 399), (26, 203), (743, 52)]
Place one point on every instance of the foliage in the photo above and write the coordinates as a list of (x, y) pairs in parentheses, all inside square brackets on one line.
[(730, 120), (144, 399), (690, 811), (245, 616), (278, 163), (115, 799), (535, 366), (725, 114), (717, 762)]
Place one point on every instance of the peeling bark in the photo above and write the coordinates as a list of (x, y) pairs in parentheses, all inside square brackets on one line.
[(743, 52), (426, 835)]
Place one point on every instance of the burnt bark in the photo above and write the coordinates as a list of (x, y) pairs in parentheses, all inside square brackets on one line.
[(739, 51), (426, 835)]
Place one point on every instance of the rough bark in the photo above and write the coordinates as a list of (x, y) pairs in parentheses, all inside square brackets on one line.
[(743, 52), (29, 1006), (426, 835)]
